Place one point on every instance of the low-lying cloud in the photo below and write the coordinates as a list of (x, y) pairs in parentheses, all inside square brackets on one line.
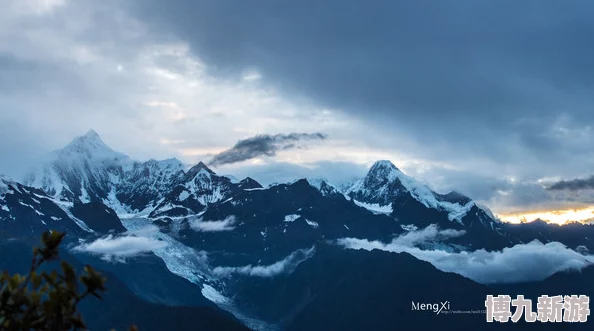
[(227, 224), (284, 266), (263, 145), (121, 247), (534, 261), (573, 185), (430, 233)]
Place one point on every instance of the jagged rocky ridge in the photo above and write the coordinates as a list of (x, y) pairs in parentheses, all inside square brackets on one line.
[(87, 170)]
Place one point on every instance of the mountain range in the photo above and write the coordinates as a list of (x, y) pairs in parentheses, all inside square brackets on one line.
[(183, 241)]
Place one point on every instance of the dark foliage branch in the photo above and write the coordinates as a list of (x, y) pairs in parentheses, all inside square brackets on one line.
[(42, 300)]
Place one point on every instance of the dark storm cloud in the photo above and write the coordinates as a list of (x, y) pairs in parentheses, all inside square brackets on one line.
[(442, 64), (573, 185), (262, 145)]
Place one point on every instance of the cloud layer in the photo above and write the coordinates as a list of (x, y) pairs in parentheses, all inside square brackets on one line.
[(121, 247), (263, 145), (573, 185), (227, 224), (523, 262), (286, 265)]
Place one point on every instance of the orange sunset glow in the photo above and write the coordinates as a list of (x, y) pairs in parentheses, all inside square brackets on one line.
[(553, 216)]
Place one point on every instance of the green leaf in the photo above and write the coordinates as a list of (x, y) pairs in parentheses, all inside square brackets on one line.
[(14, 281), (35, 280), (69, 274)]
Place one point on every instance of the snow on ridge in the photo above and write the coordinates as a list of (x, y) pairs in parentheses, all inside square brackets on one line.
[(313, 224), (376, 208), (201, 182), (65, 206), (456, 211), (183, 195), (115, 204), (255, 189), (167, 207), (317, 182), (489, 213), (213, 197), (291, 218), (213, 295), (418, 190), (26, 205), (427, 197), (172, 163), (84, 196), (323, 185)]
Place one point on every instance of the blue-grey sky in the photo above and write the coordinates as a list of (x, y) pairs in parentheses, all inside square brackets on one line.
[(493, 98)]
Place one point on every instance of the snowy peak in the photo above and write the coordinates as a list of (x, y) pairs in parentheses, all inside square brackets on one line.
[(82, 171), (382, 184), (87, 170), (385, 183), (249, 184), (92, 135), (198, 169), (199, 188), (317, 182), (382, 173), (322, 185), (383, 167), (89, 146)]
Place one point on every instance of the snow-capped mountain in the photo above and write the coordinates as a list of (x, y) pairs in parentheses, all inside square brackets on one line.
[(384, 183), (385, 187), (83, 171), (87, 170), (324, 186), (145, 183), (27, 211), (198, 188)]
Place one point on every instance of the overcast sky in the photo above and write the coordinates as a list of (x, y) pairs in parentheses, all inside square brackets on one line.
[(493, 98)]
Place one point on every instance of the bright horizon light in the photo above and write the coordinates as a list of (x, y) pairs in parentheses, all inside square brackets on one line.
[(552, 216)]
